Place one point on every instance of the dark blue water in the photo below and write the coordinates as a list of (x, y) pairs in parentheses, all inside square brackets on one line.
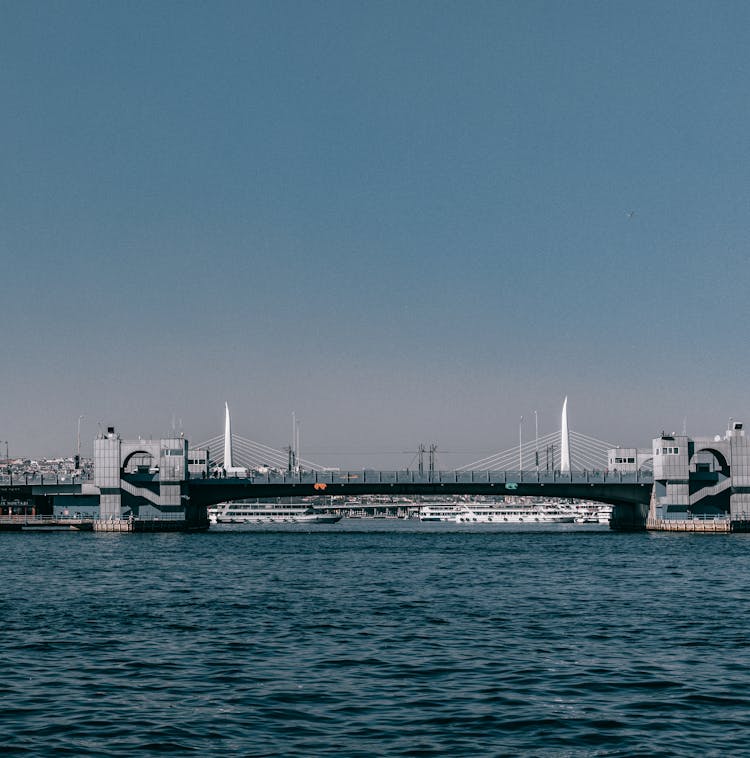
[(375, 639)]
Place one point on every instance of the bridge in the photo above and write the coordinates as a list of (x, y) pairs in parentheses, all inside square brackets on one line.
[(172, 483), (544, 469), (167, 483)]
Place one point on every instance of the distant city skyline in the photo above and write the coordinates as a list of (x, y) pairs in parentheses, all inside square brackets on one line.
[(405, 223)]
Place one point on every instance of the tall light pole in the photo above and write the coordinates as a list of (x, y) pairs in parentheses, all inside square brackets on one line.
[(78, 442), (520, 445), (536, 440)]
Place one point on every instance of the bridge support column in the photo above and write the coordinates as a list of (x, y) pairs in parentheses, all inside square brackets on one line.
[(629, 517), (739, 506)]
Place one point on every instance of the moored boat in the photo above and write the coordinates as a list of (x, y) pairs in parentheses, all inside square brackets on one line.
[(240, 512), (535, 513), (498, 513)]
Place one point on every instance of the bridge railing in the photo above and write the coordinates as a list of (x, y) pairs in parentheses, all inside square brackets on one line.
[(373, 476), (40, 478)]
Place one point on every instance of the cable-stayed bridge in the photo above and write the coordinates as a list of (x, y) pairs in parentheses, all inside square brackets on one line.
[(586, 453), (562, 450)]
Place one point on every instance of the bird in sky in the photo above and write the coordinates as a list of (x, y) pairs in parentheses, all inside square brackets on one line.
[(631, 214)]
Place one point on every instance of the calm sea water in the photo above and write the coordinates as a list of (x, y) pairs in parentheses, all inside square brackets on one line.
[(376, 639)]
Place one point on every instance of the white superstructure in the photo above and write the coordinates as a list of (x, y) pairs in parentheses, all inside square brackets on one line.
[(229, 468), (564, 439), (438, 512)]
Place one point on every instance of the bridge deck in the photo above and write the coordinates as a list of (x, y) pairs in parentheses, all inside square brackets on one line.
[(373, 476), (617, 489)]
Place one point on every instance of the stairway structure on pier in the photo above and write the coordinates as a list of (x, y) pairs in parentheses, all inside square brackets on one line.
[(701, 479), (146, 480)]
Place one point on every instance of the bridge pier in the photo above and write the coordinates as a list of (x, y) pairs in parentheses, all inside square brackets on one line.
[(629, 517), (701, 481)]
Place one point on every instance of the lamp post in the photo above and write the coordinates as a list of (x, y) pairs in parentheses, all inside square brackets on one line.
[(520, 445), (78, 441), (536, 440)]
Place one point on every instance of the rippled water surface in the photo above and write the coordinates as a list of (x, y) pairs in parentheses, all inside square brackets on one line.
[(376, 639)]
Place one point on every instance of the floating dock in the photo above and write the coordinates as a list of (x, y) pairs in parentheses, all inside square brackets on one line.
[(28, 523)]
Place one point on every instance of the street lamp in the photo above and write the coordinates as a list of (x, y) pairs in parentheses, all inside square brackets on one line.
[(78, 442), (536, 440), (520, 445)]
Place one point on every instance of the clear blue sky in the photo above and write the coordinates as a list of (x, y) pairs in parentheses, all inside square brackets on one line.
[(405, 221)]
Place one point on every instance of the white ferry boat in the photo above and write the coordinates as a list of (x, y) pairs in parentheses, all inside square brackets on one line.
[(537, 513), (240, 512), (592, 513), (498, 513)]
